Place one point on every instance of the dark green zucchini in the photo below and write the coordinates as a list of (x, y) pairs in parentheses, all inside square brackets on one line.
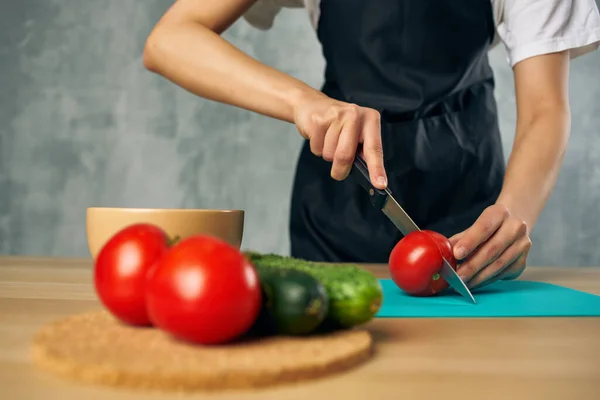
[(294, 302), (355, 294)]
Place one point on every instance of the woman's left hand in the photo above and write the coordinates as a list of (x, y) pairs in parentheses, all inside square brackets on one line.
[(494, 247)]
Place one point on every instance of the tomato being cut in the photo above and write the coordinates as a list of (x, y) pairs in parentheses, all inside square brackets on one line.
[(204, 291), (416, 260), (121, 268)]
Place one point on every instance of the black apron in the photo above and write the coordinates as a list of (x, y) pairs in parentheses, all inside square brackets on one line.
[(423, 64)]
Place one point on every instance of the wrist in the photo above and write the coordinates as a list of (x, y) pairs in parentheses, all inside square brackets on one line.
[(296, 97), (518, 207)]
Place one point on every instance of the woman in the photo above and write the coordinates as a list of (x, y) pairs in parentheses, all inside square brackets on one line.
[(408, 85)]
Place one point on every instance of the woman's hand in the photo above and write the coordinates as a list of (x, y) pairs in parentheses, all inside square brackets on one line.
[(336, 130), (494, 247), (497, 245), (186, 47)]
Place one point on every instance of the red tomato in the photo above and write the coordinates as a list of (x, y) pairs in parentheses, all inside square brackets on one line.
[(444, 245), (416, 260), (121, 268), (204, 291)]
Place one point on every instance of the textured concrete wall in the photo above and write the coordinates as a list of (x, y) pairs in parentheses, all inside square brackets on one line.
[(83, 124)]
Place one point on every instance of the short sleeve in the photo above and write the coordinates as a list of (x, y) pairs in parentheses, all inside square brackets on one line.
[(530, 28), (262, 13)]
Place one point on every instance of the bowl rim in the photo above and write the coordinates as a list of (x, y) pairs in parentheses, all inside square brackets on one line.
[(167, 210)]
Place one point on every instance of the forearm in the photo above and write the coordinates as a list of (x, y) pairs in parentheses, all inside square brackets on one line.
[(534, 163), (202, 62)]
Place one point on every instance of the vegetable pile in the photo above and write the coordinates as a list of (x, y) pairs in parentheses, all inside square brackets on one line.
[(203, 290)]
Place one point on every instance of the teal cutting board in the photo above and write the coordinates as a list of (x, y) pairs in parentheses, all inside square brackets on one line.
[(515, 298)]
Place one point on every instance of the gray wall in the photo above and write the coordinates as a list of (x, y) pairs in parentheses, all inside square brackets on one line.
[(83, 124)]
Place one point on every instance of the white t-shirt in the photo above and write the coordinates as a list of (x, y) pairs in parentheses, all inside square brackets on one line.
[(527, 28)]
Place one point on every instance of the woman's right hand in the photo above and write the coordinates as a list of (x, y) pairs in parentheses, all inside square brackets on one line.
[(338, 130), (186, 48)]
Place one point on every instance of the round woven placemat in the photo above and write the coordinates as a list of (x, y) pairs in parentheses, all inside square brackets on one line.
[(95, 348)]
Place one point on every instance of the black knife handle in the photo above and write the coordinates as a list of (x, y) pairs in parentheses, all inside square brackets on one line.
[(360, 173)]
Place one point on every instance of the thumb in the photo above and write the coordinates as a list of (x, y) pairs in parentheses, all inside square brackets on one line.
[(454, 239)]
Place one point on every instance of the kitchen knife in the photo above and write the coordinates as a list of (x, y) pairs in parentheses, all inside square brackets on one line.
[(384, 201)]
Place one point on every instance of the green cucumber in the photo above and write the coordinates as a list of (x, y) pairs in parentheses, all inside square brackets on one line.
[(294, 302), (355, 294)]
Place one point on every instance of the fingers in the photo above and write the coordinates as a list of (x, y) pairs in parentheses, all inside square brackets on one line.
[(454, 239), (345, 150), (484, 227), (373, 149), (509, 265), (517, 268), (330, 140), (497, 252), (335, 131), (317, 140), (510, 271)]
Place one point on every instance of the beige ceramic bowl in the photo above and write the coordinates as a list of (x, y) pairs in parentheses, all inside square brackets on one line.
[(102, 223)]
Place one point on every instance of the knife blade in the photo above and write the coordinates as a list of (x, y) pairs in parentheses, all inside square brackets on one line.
[(383, 200)]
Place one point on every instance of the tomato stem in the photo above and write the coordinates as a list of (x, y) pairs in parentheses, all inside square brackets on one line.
[(173, 241)]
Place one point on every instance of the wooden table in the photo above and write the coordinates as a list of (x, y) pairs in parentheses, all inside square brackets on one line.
[(484, 359)]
